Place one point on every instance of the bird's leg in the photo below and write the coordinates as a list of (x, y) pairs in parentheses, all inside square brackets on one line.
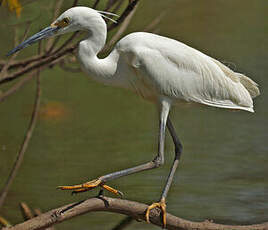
[(178, 151), (155, 163), (161, 144)]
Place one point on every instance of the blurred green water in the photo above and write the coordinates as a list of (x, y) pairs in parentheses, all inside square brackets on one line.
[(223, 175)]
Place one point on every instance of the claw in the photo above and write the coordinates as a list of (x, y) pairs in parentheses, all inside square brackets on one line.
[(162, 206), (90, 185), (79, 190), (112, 190), (81, 187)]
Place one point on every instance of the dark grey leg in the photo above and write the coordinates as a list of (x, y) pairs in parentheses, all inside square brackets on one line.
[(178, 151)]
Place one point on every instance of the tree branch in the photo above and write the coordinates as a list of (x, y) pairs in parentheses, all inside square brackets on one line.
[(25, 143), (126, 12), (40, 64), (126, 207)]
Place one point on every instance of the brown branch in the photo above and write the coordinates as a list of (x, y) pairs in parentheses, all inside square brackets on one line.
[(26, 211), (109, 4), (75, 3), (95, 4), (23, 63), (120, 31), (130, 208), (68, 41), (38, 213), (152, 26), (7, 64), (16, 87), (51, 41), (24, 145), (67, 68), (126, 12), (119, 4), (44, 62)]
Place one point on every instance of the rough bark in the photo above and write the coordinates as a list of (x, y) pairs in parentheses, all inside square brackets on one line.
[(126, 207)]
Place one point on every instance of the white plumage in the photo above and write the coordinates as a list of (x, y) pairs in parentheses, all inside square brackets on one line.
[(153, 66)]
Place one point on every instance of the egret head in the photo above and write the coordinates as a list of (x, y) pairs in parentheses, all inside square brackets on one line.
[(73, 19)]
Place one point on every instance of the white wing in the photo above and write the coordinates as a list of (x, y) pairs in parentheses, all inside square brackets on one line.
[(178, 71)]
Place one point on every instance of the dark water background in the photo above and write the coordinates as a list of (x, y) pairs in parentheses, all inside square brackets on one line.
[(94, 129)]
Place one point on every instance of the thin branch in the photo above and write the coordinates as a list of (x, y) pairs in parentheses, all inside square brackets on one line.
[(126, 12), (16, 41), (119, 4), (26, 211), (130, 208), (26, 141), (55, 41), (110, 3), (25, 62), (120, 31), (51, 42), (95, 4), (75, 3), (152, 26), (40, 64), (16, 87), (67, 68), (68, 41), (9, 61)]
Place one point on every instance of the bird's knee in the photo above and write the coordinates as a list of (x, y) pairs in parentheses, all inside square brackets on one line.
[(178, 151), (158, 161)]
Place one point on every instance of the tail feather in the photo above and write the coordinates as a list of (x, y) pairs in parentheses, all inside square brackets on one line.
[(251, 86)]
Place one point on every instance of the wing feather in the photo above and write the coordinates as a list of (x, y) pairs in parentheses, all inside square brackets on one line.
[(180, 72)]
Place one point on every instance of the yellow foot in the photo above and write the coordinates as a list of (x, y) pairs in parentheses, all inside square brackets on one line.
[(162, 205), (90, 185)]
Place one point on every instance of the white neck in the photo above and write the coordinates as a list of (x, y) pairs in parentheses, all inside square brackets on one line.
[(100, 69)]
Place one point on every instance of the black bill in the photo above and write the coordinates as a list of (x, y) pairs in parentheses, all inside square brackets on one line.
[(47, 32)]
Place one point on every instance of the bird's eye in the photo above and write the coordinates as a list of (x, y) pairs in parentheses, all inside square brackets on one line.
[(66, 20), (63, 23)]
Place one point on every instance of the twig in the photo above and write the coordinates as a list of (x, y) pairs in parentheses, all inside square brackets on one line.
[(120, 31), (65, 67), (126, 12), (26, 211), (16, 87), (123, 223), (44, 62), (130, 208), (7, 64), (25, 62), (50, 43), (110, 3), (95, 4), (116, 8), (68, 41), (24, 146), (151, 27), (75, 3)]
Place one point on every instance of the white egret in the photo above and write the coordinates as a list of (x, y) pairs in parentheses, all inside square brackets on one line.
[(157, 68)]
